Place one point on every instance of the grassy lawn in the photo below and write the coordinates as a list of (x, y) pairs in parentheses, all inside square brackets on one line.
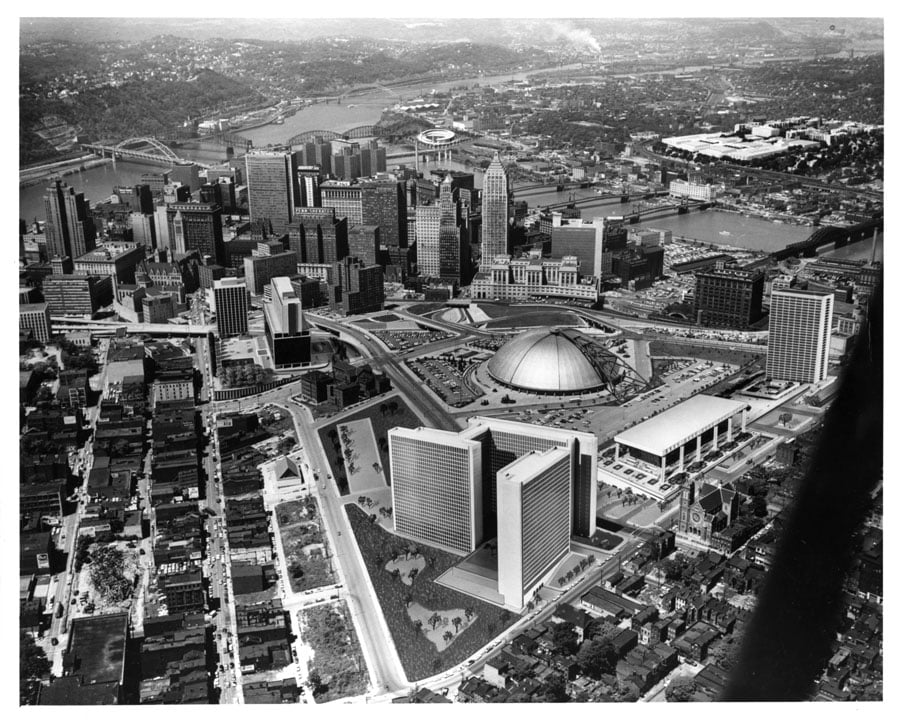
[(419, 656), (536, 318), (665, 348), (306, 552), (338, 659), (391, 412)]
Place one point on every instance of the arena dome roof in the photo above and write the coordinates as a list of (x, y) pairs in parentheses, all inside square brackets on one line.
[(554, 361)]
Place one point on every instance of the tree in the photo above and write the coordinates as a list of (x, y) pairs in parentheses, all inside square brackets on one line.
[(315, 680), (107, 576), (555, 688), (413, 572), (33, 666), (434, 619), (448, 636), (565, 638), (457, 622), (681, 688), (408, 599), (469, 612), (418, 626), (561, 581), (597, 657), (785, 417)]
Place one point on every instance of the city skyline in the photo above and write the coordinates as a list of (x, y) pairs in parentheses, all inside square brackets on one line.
[(444, 360)]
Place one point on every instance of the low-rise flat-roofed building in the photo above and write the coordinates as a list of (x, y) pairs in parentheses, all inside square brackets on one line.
[(674, 437), (260, 269), (118, 261)]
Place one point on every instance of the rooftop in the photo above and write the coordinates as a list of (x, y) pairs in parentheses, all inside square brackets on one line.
[(669, 429)]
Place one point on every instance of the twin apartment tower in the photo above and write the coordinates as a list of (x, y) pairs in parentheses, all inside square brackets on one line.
[(530, 487)]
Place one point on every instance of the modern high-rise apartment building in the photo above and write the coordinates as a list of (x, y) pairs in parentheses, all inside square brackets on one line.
[(345, 198), (272, 186), (286, 332), (436, 487), (196, 226), (728, 297), (69, 227), (36, 317), (494, 211), (318, 235), (232, 306), (534, 488), (384, 206), (534, 531), (799, 335)]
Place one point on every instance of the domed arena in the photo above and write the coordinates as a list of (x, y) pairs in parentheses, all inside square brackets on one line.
[(554, 362)]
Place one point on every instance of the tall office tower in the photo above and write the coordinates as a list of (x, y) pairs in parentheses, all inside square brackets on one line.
[(209, 194), (36, 317), (436, 487), (364, 243), (308, 178), (161, 222), (494, 211), (142, 199), (355, 287), (317, 153), (318, 236), (69, 227), (728, 297), (143, 229), (196, 226), (185, 173), (799, 335), (452, 236), (384, 206), (578, 238), (232, 306), (534, 531), (260, 269), (286, 332), (428, 240), (346, 166), (373, 159), (345, 198), (504, 441), (272, 187)]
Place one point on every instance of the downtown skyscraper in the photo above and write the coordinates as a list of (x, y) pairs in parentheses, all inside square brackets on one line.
[(494, 211), (69, 227), (272, 187), (799, 335)]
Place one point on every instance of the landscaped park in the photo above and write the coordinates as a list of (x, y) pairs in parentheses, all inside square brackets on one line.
[(392, 412), (433, 627)]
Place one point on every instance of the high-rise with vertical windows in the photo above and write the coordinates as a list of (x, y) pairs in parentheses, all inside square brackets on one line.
[(428, 240), (318, 235), (535, 529), (196, 226), (345, 198), (36, 317), (436, 487), (799, 335), (232, 306), (494, 211), (384, 206), (272, 187), (69, 228)]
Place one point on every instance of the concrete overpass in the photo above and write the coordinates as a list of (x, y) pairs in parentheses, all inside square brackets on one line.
[(109, 327)]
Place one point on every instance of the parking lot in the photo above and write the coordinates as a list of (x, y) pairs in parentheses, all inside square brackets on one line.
[(403, 340), (446, 377)]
